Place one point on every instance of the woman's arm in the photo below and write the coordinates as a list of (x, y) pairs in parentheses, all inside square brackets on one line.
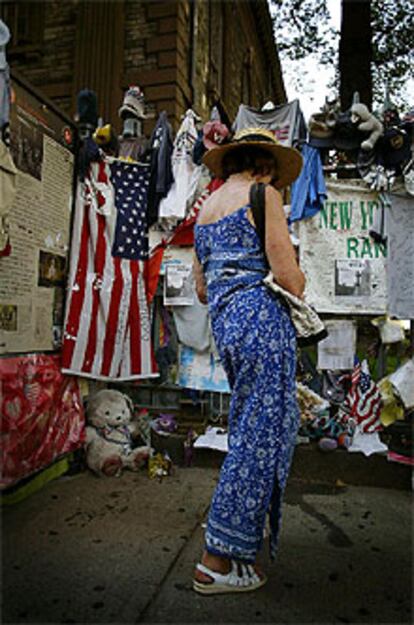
[(279, 249), (200, 280)]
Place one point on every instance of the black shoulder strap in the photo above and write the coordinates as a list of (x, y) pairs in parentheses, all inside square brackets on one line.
[(258, 204)]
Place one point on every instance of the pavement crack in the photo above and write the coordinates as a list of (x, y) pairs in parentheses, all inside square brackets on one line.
[(143, 613), (336, 535)]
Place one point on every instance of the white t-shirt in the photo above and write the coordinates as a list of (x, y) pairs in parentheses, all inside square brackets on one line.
[(186, 172)]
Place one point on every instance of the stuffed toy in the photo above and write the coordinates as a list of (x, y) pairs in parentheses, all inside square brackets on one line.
[(110, 434), (367, 122), (323, 124)]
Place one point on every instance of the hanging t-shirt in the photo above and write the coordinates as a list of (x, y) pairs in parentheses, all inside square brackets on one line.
[(309, 190), (185, 171), (286, 121), (161, 167), (400, 260)]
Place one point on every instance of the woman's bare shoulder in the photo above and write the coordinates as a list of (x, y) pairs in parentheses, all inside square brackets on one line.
[(221, 203), (209, 210)]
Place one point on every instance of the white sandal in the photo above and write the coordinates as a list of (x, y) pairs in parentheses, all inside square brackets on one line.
[(230, 582)]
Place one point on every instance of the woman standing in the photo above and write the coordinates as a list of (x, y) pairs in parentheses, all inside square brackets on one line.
[(257, 346)]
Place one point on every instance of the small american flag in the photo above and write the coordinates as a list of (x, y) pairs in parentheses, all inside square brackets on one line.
[(107, 327), (363, 402)]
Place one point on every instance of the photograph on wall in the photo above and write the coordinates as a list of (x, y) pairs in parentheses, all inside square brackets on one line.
[(51, 269), (178, 285), (352, 278), (26, 143), (8, 317)]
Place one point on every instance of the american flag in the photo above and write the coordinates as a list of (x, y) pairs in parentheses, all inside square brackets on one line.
[(363, 402), (107, 326)]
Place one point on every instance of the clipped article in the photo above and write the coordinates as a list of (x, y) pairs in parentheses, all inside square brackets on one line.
[(39, 239), (178, 285), (337, 351)]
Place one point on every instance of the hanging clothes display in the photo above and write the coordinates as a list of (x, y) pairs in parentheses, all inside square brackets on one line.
[(107, 328), (286, 121), (308, 192), (186, 173), (161, 144), (400, 261)]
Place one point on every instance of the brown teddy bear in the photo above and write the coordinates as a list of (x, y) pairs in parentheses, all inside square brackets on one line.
[(110, 434)]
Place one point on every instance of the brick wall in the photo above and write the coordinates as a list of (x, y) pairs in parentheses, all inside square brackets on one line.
[(171, 49), (243, 56), (51, 66), (200, 74)]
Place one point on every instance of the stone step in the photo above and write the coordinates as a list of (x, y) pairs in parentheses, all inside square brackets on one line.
[(336, 467)]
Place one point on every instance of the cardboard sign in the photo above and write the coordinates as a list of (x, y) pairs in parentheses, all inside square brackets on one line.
[(344, 267)]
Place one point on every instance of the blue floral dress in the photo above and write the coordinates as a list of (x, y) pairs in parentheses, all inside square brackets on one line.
[(256, 342)]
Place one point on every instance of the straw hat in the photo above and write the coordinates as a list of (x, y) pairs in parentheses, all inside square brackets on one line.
[(288, 160)]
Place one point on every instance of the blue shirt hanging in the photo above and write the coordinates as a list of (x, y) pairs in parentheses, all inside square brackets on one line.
[(309, 190)]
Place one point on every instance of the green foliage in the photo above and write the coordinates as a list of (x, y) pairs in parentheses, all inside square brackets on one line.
[(392, 41), (302, 28)]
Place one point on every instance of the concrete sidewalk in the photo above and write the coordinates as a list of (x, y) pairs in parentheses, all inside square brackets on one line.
[(89, 550)]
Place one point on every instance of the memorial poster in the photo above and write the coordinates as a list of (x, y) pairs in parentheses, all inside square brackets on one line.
[(344, 266), (33, 275)]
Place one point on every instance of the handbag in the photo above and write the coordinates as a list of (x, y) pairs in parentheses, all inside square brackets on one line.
[(310, 329)]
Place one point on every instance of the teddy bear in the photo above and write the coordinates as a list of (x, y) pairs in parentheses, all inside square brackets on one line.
[(367, 122), (110, 433)]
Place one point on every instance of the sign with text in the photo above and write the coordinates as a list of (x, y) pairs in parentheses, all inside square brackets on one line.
[(33, 275), (344, 267)]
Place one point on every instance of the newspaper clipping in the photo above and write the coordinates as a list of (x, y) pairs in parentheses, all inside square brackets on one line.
[(178, 285), (39, 235)]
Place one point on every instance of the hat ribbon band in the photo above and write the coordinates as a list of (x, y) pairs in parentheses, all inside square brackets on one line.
[(257, 137)]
